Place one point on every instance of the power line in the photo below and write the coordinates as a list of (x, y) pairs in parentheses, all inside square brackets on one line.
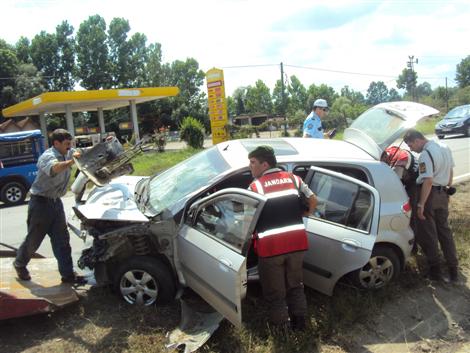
[(339, 71), (244, 66)]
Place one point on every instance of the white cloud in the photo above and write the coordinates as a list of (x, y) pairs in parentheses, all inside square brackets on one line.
[(352, 36)]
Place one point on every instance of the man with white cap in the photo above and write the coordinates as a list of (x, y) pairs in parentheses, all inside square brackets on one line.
[(313, 125)]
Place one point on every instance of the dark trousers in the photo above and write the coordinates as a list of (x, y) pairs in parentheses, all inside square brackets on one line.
[(282, 283), (435, 230), (47, 216)]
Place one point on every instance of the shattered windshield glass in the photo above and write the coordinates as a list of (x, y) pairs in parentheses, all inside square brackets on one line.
[(176, 183)]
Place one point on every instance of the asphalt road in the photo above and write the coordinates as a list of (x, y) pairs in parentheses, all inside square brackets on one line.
[(13, 219)]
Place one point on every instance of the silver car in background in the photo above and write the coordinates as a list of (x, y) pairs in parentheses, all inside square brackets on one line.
[(191, 225)]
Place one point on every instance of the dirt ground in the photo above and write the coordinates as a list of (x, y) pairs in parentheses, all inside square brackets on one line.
[(411, 315)]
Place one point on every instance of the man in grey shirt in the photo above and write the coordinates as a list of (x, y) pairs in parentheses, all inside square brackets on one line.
[(46, 212)]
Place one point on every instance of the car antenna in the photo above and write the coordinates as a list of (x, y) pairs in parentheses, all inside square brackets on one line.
[(226, 147)]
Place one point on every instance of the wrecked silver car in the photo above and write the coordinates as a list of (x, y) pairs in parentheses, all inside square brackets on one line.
[(191, 225)]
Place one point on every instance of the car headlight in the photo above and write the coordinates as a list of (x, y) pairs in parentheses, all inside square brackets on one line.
[(438, 126), (459, 124)]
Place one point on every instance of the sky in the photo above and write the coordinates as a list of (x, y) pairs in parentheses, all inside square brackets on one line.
[(333, 42)]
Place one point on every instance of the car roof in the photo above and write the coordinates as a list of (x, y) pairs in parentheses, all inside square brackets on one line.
[(292, 149)]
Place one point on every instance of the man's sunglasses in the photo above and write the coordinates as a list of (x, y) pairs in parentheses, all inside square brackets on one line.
[(325, 109)]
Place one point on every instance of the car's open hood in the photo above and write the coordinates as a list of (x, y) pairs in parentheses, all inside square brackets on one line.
[(114, 202), (380, 126)]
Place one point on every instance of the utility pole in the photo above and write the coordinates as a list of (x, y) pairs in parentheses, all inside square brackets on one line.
[(411, 76), (283, 100)]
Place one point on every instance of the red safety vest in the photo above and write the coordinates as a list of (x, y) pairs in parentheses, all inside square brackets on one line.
[(280, 228)]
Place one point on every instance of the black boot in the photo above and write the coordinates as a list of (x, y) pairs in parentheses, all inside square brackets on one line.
[(298, 323), (453, 273), (435, 273)]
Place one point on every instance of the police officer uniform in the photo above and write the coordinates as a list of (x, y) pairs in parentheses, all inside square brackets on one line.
[(313, 126), (436, 162)]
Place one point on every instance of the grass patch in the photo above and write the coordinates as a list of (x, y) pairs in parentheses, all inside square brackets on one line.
[(153, 162)]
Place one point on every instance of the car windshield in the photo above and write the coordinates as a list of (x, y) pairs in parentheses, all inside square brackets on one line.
[(379, 124), (176, 183), (459, 112)]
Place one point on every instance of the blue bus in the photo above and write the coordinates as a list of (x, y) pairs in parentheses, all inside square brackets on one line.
[(19, 153)]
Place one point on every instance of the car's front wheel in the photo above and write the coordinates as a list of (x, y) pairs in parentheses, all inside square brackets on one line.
[(144, 280), (440, 137), (13, 192), (382, 267)]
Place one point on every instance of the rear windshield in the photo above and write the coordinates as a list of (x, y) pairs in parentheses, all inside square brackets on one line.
[(379, 124)]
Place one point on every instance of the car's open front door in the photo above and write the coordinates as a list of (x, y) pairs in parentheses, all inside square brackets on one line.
[(343, 229), (212, 244)]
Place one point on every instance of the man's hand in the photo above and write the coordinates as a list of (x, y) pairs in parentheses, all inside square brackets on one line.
[(420, 212), (77, 154)]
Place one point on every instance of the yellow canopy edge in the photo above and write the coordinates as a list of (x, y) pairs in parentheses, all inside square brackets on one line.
[(92, 100)]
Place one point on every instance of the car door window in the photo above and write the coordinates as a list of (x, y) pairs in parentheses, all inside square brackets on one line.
[(226, 220), (341, 201)]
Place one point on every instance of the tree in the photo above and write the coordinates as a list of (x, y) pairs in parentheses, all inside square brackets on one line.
[(92, 54), (23, 50), (119, 52), (28, 83), (8, 71), (462, 75), (278, 102), (353, 96), (65, 70), (393, 95), (138, 56), (44, 55), (258, 98), (323, 91), (408, 80), (298, 95), (153, 65), (423, 89), (239, 97), (191, 101), (377, 93)]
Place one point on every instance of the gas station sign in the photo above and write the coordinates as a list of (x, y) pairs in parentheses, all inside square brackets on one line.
[(217, 105)]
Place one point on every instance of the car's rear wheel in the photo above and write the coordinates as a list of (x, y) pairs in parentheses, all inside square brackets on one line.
[(144, 280), (440, 137), (382, 267), (13, 192)]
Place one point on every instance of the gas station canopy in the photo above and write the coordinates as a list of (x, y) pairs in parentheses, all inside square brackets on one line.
[(81, 101)]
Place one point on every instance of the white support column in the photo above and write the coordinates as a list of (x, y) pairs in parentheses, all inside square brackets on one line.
[(101, 120), (69, 120), (134, 120), (43, 125)]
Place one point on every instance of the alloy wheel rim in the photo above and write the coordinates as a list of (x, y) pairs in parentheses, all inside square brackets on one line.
[(138, 287), (378, 272), (13, 194)]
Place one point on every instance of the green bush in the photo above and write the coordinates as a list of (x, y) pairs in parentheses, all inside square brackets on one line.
[(192, 132)]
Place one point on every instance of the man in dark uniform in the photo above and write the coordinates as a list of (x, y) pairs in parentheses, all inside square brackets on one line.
[(280, 239), (435, 175)]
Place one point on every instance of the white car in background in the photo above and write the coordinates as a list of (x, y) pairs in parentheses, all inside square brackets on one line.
[(191, 225)]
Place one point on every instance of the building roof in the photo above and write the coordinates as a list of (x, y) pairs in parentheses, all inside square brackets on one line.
[(79, 101)]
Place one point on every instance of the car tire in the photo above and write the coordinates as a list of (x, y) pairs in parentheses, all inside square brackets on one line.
[(13, 193), (468, 131), (440, 137), (144, 280), (382, 267)]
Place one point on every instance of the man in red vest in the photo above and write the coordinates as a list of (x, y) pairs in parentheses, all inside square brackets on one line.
[(280, 239)]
